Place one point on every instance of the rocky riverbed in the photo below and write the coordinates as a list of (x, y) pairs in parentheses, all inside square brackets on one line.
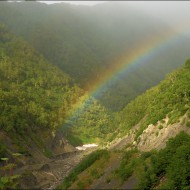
[(48, 175)]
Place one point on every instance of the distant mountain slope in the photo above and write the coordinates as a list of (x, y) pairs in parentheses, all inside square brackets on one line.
[(85, 41)]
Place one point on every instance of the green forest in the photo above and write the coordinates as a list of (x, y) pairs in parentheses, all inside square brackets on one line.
[(36, 96)]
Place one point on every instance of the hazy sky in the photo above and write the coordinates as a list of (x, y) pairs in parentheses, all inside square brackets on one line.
[(169, 11), (75, 2)]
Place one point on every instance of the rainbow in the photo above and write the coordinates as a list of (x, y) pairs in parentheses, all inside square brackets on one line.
[(136, 56)]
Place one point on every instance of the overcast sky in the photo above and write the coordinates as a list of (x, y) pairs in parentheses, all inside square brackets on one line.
[(146, 5), (169, 11), (75, 2), (168, 4)]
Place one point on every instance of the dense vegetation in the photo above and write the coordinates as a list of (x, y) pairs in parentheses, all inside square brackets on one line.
[(170, 98), (91, 123), (85, 42), (126, 167), (169, 168), (36, 96), (37, 99)]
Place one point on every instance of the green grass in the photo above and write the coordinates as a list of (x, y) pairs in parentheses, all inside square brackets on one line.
[(83, 165)]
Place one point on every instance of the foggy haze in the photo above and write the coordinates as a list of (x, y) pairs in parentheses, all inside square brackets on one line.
[(172, 12)]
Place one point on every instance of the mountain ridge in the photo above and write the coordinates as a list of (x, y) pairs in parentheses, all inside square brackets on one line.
[(84, 43)]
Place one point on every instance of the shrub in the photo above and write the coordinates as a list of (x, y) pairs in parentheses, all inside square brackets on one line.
[(173, 162), (160, 127)]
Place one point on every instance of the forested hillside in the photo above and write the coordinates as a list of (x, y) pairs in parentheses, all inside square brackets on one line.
[(34, 94), (37, 98), (170, 98), (86, 41), (40, 107)]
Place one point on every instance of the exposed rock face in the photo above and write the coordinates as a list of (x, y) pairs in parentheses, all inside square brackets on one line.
[(126, 140), (153, 137)]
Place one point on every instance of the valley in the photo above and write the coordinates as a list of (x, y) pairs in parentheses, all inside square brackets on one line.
[(94, 97)]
